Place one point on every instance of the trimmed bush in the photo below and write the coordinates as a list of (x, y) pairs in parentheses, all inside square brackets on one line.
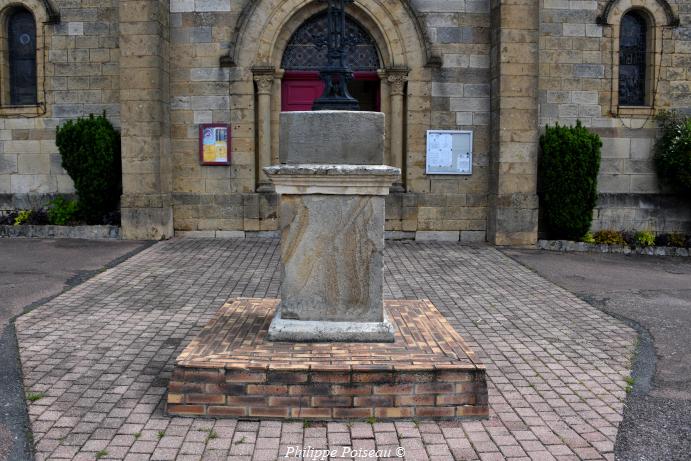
[(90, 150), (568, 171), (673, 151)]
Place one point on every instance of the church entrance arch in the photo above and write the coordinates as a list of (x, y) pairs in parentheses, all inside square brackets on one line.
[(396, 82), (305, 54)]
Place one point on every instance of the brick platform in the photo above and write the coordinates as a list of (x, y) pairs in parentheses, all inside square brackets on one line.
[(231, 370)]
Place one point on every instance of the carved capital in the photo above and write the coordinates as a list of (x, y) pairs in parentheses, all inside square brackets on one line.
[(397, 82), (264, 78), (264, 83)]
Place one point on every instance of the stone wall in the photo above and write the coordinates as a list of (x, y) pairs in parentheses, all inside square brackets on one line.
[(197, 61), (578, 80), (451, 93), (78, 75)]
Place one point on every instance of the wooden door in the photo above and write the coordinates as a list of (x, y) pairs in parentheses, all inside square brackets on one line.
[(299, 89)]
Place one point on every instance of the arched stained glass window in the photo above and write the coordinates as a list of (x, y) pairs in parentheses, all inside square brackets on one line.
[(307, 47), (633, 59), (21, 33)]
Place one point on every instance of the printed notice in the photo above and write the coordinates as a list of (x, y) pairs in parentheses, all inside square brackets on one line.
[(439, 149), (449, 152), (464, 162)]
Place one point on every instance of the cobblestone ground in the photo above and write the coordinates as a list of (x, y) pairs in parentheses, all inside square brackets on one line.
[(99, 358)]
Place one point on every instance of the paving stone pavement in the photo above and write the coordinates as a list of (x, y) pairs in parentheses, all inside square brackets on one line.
[(100, 355)]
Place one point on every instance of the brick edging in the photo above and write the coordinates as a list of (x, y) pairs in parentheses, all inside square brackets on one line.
[(337, 394)]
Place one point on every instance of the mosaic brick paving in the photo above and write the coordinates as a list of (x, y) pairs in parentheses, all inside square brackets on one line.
[(101, 355)]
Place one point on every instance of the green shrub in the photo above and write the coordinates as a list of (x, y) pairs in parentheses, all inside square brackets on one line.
[(588, 238), (23, 217), (645, 238), (568, 171), (609, 237), (61, 211), (676, 239), (90, 150), (673, 151)]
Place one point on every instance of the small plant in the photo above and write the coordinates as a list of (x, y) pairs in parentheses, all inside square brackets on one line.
[(160, 434), (645, 238), (677, 239), (568, 169), (629, 237), (240, 441), (609, 237), (629, 384), (61, 211), (673, 151), (588, 238), (307, 424), (137, 435), (101, 453), (371, 420), (34, 396), (22, 217), (212, 434), (90, 151)]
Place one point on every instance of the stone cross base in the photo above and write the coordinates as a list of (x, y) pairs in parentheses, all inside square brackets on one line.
[(332, 240)]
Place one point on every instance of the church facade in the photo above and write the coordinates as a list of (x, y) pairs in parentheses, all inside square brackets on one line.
[(501, 69)]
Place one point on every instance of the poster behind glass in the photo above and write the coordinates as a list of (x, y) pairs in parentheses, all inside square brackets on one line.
[(214, 144)]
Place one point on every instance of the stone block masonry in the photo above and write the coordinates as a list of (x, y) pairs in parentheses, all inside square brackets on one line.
[(231, 370)]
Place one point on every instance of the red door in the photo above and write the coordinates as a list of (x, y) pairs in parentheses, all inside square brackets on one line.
[(299, 89)]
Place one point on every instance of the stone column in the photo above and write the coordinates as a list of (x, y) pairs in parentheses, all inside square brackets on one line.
[(513, 203), (397, 78), (276, 104), (331, 186), (264, 78), (146, 203)]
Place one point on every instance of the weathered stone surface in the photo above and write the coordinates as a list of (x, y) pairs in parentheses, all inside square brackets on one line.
[(331, 249), (332, 179), (341, 137)]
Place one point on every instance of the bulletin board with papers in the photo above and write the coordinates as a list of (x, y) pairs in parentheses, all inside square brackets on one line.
[(449, 152)]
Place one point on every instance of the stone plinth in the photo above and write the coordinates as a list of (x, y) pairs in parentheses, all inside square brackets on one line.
[(332, 241), (232, 370), (336, 137)]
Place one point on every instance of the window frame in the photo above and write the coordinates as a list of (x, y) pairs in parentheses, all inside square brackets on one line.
[(14, 59), (38, 11), (656, 19), (642, 19)]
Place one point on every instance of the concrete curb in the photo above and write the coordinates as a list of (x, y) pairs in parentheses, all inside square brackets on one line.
[(67, 232), (571, 246)]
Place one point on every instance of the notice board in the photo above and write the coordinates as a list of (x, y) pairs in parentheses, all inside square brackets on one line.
[(449, 152)]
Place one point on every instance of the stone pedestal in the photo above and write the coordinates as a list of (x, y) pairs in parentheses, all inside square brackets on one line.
[(332, 241), (331, 186), (394, 360)]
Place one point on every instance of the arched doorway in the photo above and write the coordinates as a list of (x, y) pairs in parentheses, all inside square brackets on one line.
[(305, 54)]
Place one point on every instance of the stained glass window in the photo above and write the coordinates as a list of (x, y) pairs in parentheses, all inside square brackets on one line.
[(21, 29), (307, 47), (632, 59)]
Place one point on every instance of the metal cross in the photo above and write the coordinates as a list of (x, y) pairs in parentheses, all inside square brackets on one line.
[(337, 73)]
